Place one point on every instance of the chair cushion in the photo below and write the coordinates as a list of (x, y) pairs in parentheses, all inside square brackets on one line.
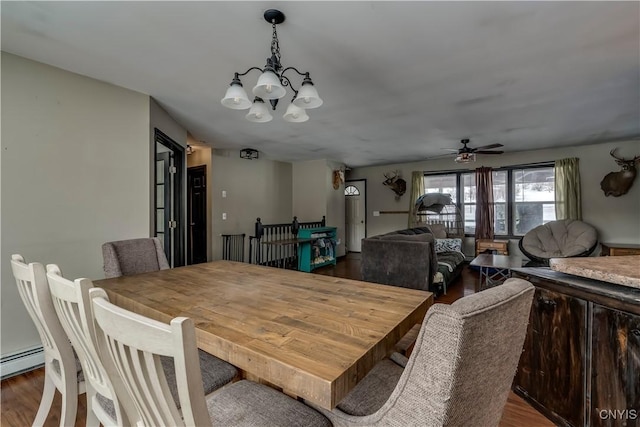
[(373, 391), (438, 230), (560, 239), (215, 373), (249, 404), (55, 363), (137, 256)]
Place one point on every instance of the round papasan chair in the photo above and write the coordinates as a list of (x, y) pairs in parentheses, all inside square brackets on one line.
[(558, 239)]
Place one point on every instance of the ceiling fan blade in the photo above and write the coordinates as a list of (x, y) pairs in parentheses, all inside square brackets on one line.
[(453, 150), (488, 152), (487, 147)]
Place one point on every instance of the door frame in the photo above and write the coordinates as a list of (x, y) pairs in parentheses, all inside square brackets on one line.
[(176, 256), (346, 183)]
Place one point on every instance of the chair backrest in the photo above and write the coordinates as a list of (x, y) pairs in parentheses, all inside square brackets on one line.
[(134, 256), (34, 291), (72, 305), (135, 344), (464, 361)]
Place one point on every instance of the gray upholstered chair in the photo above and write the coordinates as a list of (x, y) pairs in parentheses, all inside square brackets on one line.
[(558, 239), (132, 346), (460, 372), (134, 256)]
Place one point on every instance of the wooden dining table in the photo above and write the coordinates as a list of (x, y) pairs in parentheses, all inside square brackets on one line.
[(312, 336)]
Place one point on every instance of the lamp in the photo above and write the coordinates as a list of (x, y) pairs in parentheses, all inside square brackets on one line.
[(465, 158), (248, 153), (272, 85)]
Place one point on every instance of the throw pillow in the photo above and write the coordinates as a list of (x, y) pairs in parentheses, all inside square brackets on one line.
[(448, 245), (438, 230)]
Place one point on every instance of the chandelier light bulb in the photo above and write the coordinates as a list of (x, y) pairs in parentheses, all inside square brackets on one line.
[(295, 114), (259, 112), (236, 98)]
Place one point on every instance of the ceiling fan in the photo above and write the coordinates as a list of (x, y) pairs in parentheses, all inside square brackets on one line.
[(468, 154)]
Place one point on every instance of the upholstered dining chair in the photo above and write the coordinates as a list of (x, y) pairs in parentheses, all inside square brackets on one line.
[(133, 256), (132, 345), (460, 371), (61, 370)]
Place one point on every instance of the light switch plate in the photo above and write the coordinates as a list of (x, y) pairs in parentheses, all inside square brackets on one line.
[(224, 216), (376, 213)]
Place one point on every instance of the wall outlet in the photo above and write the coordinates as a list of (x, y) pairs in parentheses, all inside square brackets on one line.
[(376, 213), (224, 216), (224, 193)]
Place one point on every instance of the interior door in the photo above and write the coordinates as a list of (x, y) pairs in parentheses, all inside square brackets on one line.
[(169, 197), (355, 221), (197, 214)]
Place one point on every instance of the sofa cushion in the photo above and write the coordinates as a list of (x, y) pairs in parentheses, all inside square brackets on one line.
[(426, 237)]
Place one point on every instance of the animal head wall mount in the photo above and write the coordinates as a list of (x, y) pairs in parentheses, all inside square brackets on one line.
[(395, 183), (618, 183)]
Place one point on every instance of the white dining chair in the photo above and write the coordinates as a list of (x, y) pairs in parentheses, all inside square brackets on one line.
[(61, 370), (72, 305), (135, 344)]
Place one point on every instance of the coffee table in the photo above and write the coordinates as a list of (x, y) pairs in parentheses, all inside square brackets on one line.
[(495, 269)]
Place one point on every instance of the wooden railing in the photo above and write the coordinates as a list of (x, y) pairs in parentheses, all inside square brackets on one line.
[(273, 244)]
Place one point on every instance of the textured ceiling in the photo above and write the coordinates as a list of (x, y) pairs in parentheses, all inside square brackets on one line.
[(401, 81)]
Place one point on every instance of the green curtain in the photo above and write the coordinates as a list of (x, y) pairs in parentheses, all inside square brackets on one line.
[(567, 189), (417, 190)]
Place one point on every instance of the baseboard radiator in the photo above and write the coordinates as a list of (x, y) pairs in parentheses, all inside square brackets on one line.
[(21, 361)]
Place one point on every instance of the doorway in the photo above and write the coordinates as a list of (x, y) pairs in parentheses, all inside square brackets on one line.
[(197, 214), (356, 209), (169, 197)]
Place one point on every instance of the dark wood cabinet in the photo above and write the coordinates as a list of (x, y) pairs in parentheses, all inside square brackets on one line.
[(551, 370), (580, 364), (615, 368)]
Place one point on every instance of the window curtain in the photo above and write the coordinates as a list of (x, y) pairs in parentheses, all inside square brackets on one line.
[(567, 189), (417, 190), (484, 203)]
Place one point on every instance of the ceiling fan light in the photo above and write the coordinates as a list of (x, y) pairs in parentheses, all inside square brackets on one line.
[(269, 86), (465, 158), (295, 114), (259, 113), (308, 97), (236, 98)]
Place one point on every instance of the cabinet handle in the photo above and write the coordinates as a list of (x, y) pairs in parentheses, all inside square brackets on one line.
[(547, 303), (636, 332)]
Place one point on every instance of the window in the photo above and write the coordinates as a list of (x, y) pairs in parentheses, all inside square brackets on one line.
[(524, 197), (533, 198), (500, 224), (351, 190)]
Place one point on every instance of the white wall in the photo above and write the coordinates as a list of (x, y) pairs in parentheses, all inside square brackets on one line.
[(616, 218), (315, 197), (75, 174), (255, 188)]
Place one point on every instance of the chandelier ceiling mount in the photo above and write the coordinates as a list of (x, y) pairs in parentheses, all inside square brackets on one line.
[(272, 85)]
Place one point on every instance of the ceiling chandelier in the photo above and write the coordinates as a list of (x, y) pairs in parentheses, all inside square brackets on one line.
[(271, 86)]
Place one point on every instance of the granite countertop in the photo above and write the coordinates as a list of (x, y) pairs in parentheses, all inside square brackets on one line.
[(621, 270)]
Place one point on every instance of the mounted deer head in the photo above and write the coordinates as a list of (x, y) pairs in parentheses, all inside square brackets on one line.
[(397, 184), (618, 183)]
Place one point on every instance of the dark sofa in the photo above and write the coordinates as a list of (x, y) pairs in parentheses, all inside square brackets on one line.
[(405, 258), (418, 258)]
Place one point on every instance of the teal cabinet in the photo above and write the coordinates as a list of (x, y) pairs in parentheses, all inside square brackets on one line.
[(319, 251)]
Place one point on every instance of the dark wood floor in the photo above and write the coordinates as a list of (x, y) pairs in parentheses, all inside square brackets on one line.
[(21, 394)]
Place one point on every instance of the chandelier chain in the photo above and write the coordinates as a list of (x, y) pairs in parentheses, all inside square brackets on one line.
[(275, 44)]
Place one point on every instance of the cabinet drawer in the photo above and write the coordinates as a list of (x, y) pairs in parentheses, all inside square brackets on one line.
[(623, 251)]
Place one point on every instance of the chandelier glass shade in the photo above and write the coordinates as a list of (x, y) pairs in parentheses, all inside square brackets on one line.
[(271, 86)]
